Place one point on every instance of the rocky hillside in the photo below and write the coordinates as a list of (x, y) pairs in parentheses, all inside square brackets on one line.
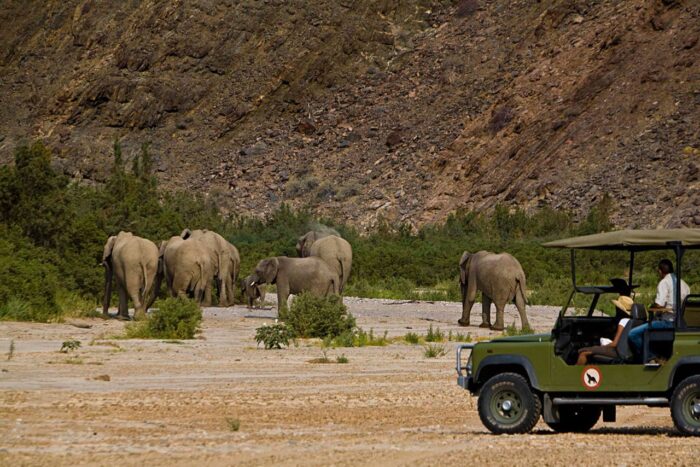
[(363, 109)]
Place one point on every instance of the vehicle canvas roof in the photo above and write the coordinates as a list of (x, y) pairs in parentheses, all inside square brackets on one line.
[(631, 240)]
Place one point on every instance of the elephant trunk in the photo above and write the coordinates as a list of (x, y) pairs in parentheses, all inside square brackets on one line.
[(108, 287)]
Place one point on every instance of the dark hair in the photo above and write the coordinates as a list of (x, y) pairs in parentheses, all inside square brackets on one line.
[(666, 266)]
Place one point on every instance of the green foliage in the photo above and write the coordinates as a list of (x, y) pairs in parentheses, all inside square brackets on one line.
[(434, 335), (459, 337), (233, 424), (173, 318), (433, 351), (341, 359), (311, 316), (412, 338), (513, 330), (70, 345), (357, 337), (273, 336)]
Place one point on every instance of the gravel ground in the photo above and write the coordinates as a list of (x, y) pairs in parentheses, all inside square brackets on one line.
[(134, 401)]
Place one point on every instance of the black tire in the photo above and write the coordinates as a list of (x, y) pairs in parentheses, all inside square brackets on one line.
[(523, 407), (576, 418), (685, 406)]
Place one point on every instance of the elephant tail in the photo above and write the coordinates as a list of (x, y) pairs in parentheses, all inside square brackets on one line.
[(520, 300), (200, 284), (145, 284), (341, 281)]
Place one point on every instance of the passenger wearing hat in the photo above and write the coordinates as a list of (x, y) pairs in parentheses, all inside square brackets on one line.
[(608, 347)]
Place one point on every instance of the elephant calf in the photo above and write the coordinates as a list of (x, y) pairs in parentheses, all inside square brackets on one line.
[(252, 293), (501, 279), (296, 275)]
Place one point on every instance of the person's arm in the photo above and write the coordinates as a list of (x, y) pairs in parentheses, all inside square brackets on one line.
[(620, 328)]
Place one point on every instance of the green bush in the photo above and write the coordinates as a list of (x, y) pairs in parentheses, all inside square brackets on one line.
[(434, 335), (312, 316), (412, 338), (173, 318), (433, 351), (273, 336)]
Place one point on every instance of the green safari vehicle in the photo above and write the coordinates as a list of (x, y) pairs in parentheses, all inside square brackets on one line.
[(520, 378)]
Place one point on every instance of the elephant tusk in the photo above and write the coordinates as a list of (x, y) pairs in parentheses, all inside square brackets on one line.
[(252, 283)]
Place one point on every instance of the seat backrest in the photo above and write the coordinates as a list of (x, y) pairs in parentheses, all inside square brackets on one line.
[(639, 312), (691, 311), (623, 346)]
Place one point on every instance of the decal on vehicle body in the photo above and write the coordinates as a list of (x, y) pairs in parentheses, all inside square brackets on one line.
[(591, 377)]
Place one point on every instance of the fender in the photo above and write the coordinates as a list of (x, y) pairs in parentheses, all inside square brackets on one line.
[(519, 360), (683, 361)]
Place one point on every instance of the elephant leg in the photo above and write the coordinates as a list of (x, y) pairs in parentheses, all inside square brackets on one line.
[(205, 295), (136, 293), (123, 302), (485, 312), (498, 325), (282, 297), (520, 304), (466, 311)]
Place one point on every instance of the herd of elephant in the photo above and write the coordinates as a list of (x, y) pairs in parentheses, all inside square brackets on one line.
[(194, 262)]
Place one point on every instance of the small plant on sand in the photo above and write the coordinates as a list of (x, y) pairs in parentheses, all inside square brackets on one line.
[(369, 339), (341, 359), (512, 330), (459, 337), (412, 338), (323, 359), (67, 346), (434, 335), (273, 336), (433, 351), (234, 424), (11, 352), (174, 318), (311, 316)]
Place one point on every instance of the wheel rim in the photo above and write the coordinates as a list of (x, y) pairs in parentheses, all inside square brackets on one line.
[(507, 406), (691, 409)]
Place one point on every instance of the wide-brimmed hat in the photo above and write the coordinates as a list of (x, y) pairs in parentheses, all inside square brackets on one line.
[(624, 303)]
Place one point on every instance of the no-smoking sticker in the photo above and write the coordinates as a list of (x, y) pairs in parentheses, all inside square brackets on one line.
[(591, 377)]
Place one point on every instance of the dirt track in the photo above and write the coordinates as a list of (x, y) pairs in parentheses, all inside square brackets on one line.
[(169, 402)]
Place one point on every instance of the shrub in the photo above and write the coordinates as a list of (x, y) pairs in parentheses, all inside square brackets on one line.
[(412, 338), (433, 351), (234, 424), (311, 316), (341, 359), (273, 336), (513, 330), (459, 337), (434, 335), (67, 346), (174, 318), (356, 338)]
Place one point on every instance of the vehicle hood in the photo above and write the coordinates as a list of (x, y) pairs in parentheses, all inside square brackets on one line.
[(546, 337)]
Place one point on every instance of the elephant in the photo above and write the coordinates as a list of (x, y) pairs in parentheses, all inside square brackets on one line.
[(296, 275), (500, 278), (226, 261), (305, 241), (187, 267), (134, 262), (252, 292), (333, 249)]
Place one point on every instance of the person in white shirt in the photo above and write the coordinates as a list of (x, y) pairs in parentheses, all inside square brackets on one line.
[(664, 303)]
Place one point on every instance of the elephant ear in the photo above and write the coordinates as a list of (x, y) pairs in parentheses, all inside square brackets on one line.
[(463, 262), (271, 269), (109, 246), (187, 233)]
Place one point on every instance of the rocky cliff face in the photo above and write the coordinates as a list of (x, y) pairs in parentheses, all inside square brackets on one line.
[(361, 109)]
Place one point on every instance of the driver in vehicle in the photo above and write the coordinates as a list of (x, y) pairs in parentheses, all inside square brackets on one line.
[(608, 347), (663, 303)]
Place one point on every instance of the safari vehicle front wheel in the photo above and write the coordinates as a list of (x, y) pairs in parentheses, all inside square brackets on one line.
[(576, 418), (685, 406), (507, 405)]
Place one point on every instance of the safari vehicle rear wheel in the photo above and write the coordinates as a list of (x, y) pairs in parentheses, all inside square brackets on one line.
[(507, 404), (576, 418), (685, 406)]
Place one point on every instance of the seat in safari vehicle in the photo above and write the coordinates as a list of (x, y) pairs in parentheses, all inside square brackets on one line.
[(625, 354)]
